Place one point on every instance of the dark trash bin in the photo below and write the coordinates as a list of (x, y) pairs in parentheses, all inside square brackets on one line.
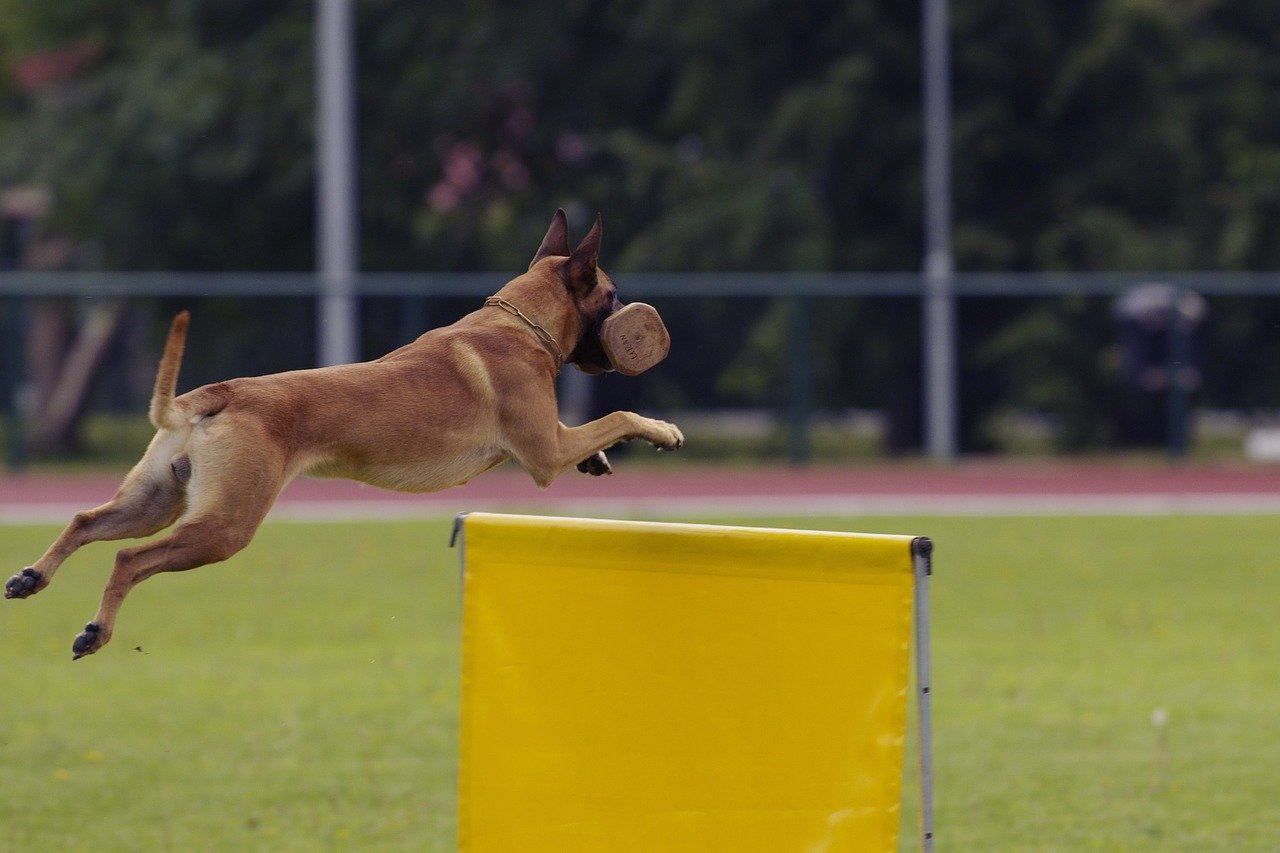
[(1159, 333)]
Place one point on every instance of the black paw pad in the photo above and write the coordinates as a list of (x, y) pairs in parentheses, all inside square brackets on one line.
[(22, 584), (86, 642), (595, 465)]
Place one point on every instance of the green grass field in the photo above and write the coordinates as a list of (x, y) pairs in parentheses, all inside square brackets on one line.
[(303, 696)]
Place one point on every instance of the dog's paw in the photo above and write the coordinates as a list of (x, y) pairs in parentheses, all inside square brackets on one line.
[(89, 641), (24, 583), (666, 436), (596, 465)]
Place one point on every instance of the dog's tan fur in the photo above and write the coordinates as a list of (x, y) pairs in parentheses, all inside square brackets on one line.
[(433, 414)]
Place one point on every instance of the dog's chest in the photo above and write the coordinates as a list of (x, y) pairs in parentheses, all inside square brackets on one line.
[(420, 476)]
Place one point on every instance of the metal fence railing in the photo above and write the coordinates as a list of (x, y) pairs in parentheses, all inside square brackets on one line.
[(18, 286), (727, 284)]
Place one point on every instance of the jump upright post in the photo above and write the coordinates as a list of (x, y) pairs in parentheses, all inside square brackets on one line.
[(637, 686)]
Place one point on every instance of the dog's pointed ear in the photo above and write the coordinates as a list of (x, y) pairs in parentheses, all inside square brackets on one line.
[(580, 272), (557, 240)]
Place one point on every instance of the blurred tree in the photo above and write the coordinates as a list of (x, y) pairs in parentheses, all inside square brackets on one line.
[(761, 135), (755, 136), (180, 135), (173, 136), (1116, 135)]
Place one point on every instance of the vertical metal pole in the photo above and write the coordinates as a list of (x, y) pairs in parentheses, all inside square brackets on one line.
[(1179, 403), (13, 381), (574, 395), (337, 251), (922, 560), (939, 321), (458, 539), (14, 395), (800, 412)]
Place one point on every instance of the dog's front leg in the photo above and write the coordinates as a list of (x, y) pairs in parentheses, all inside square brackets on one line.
[(547, 456), (597, 464)]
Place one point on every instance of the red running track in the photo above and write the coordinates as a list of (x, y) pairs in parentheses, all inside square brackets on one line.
[(970, 487)]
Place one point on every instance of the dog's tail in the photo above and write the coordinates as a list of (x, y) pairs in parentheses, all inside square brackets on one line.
[(162, 414)]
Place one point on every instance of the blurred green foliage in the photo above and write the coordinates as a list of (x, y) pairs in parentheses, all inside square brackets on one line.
[(760, 135)]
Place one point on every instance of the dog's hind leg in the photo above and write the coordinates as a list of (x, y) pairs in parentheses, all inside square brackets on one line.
[(192, 544), (220, 521), (145, 503)]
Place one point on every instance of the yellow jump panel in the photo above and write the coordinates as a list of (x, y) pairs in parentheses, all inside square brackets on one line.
[(671, 687)]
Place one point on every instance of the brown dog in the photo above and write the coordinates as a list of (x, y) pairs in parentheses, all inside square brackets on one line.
[(435, 413)]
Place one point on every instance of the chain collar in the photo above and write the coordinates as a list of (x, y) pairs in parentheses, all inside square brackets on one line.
[(543, 335)]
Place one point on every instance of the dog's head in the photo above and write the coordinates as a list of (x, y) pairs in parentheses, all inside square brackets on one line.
[(592, 292)]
